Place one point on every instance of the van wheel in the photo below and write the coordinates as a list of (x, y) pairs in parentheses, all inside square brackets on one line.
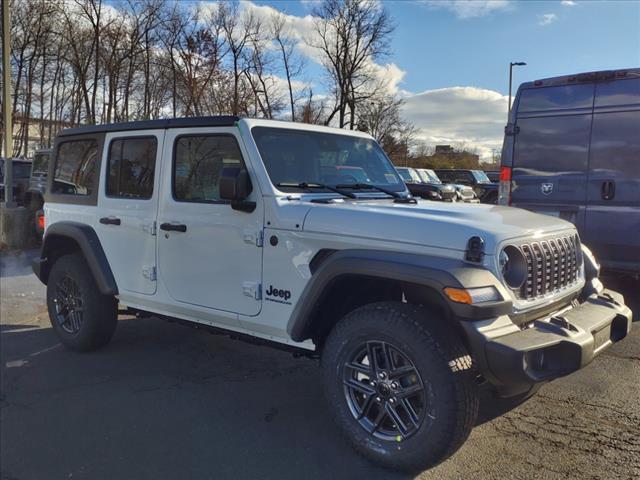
[(401, 385), (81, 316)]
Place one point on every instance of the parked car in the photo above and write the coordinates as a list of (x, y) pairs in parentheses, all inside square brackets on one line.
[(228, 223), (426, 190), (485, 189), (494, 175), (38, 178), (464, 193), (572, 150), (21, 175), (34, 198)]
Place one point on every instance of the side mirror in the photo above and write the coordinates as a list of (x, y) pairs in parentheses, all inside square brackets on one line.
[(235, 186)]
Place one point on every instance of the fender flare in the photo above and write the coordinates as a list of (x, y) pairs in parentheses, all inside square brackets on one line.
[(87, 239), (422, 270)]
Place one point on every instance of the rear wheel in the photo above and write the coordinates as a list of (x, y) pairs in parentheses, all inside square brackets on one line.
[(81, 316), (401, 385)]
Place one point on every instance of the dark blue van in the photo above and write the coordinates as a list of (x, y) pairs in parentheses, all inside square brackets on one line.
[(572, 149)]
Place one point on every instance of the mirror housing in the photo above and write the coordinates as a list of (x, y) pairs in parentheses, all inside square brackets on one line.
[(235, 186)]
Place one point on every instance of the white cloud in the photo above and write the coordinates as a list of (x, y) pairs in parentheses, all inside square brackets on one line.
[(470, 8), (547, 18), (455, 115), (568, 3)]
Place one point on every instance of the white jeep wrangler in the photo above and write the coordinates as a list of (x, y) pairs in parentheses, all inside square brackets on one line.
[(306, 237)]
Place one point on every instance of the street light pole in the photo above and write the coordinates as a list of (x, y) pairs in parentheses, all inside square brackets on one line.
[(6, 101), (511, 65)]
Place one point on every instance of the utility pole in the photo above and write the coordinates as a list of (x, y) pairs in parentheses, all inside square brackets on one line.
[(6, 102), (511, 65)]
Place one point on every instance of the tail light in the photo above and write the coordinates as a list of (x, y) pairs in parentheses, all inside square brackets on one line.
[(504, 192), (41, 223)]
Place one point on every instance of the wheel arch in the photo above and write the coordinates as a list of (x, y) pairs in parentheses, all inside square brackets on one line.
[(63, 238), (347, 279)]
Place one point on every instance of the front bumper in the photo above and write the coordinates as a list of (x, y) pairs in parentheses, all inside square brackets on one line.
[(514, 360)]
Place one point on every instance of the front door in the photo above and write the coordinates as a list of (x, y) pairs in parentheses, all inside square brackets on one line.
[(210, 255), (128, 204)]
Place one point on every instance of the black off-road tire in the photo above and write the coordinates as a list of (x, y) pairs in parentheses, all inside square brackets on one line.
[(99, 312), (443, 363)]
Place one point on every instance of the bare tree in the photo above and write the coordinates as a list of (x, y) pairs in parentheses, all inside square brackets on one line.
[(292, 64), (351, 34)]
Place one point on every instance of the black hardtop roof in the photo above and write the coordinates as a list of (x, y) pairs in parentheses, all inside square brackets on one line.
[(217, 121), (585, 77)]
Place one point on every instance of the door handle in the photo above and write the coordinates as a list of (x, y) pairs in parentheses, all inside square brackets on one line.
[(608, 190), (173, 227), (110, 221)]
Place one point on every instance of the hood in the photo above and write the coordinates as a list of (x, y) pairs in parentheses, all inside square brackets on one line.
[(432, 224)]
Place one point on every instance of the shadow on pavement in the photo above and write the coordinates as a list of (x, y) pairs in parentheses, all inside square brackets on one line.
[(17, 263), (165, 401), (627, 286)]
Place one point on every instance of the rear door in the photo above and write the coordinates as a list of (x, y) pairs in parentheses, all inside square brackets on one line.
[(551, 149), (128, 205), (612, 225)]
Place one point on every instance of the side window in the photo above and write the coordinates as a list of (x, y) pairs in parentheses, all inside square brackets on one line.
[(75, 169), (556, 98), (618, 92), (131, 166), (198, 163)]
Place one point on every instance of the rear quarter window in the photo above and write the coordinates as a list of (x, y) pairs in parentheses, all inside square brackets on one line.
[(75, 168)]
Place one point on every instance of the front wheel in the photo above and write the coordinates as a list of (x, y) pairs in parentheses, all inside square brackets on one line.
[(81, 316), (401, 385)]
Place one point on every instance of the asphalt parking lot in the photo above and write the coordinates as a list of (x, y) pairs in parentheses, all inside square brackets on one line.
[(163, 401)]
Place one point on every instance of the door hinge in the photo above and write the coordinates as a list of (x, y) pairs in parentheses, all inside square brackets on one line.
[(510, 130), (252, 289), (253, 238), (149, 273), (150, 228)]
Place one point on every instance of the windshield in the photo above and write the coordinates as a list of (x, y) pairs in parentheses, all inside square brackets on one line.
[(409, 175), (40, 162), (480, 176), (20, 170), (299, 156), (429, 176)]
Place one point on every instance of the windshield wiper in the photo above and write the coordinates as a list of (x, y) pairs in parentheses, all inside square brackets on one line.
[(312, 186), (398, 198)]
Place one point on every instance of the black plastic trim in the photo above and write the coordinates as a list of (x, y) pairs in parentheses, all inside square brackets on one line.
[(215, 121), (434, 272), (87, 239)]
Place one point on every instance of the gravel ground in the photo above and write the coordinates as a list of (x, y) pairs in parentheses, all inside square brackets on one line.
[(166, 401)]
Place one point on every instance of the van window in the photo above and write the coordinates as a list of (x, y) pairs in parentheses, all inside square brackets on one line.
[(131, 167), (618, 92), (553, 144), (198, 163), (556, 98), (75, 168)]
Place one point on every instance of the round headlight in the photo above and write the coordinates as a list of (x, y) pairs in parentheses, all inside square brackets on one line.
[(514, 266)]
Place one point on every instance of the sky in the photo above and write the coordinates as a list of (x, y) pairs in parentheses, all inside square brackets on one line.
[(449, 59)]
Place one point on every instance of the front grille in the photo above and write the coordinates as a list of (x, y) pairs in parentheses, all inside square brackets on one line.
[(447, 195), (552, 265)]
